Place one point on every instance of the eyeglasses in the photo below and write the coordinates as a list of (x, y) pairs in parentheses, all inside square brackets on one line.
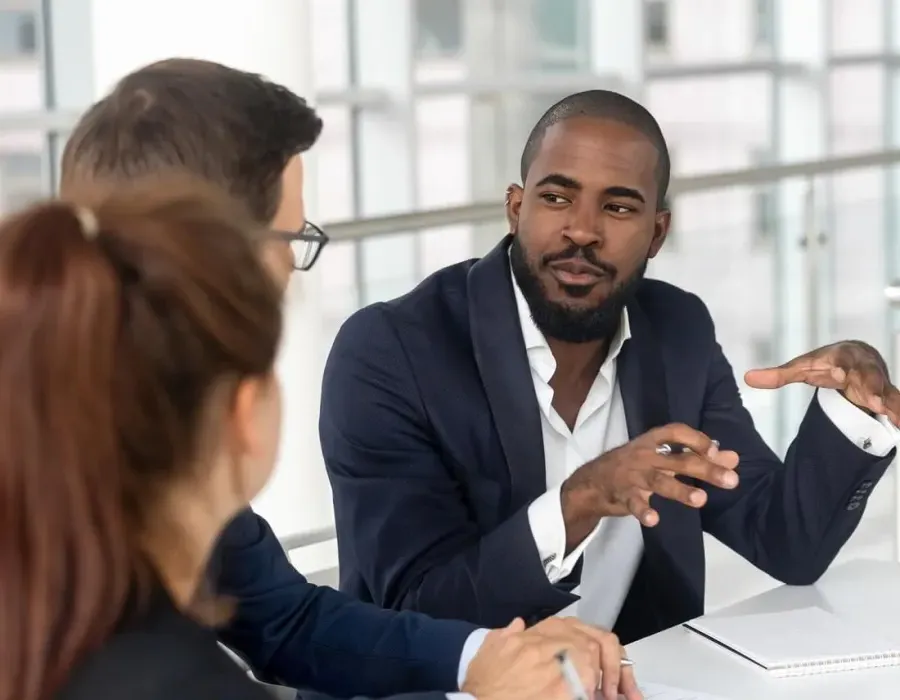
[(306, 244)]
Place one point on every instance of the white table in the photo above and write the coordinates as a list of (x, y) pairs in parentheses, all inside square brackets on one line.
[(866, 590)]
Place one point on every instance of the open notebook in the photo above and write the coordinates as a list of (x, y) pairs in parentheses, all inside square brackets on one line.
[(799, 642)]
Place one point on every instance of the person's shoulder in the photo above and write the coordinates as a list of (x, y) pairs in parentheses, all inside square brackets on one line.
[(448, 283), (205, 684), (164, 656), (435, 300), (446, 287), (667, 305)]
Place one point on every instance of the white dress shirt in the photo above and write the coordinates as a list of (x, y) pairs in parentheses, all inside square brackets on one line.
[(613, 550), (470, 649)]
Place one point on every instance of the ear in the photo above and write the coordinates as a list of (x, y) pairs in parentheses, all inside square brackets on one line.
[(244, 424), (244, 436), (513, 203), (660, 231)]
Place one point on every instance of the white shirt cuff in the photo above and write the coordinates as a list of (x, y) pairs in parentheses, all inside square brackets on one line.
[(460, 696), (469, 651), (549, 531), (877, 435)]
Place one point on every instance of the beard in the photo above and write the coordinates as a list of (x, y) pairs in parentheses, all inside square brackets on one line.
[(572, 324)]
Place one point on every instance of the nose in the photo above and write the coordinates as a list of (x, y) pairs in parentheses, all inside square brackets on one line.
[(585, 227)]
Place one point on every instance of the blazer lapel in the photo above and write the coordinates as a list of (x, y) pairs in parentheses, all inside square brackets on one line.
[(503, 365), (645, 395), (645, 384), (642, 378)]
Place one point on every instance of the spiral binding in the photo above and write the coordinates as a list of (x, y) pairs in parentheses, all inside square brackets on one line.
[(845, 663)]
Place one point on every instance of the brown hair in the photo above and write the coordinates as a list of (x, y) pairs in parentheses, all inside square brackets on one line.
[(118, 322), (234, 129)]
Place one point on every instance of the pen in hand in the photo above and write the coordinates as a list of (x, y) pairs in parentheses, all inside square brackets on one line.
[(570, 675), (667, 448)]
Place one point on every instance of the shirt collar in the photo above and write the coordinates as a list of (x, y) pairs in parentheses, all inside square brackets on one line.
[(534, 339)]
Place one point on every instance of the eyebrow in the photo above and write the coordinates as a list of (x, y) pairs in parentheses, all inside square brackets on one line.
[(628, 192), (569, 183), (560, 181)]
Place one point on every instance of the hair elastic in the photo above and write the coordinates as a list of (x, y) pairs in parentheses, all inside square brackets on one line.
[(90, 227)]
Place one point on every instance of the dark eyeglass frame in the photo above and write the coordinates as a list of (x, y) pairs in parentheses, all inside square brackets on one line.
[(309, 233)]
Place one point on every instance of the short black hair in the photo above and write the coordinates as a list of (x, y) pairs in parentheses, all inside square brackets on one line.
[(603, 104), (235, 130)]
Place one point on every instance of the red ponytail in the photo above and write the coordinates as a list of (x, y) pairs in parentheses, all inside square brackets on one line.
[(109, 346)]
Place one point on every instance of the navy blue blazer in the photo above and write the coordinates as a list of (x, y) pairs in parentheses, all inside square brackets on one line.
[(312, 637), (432, 439)]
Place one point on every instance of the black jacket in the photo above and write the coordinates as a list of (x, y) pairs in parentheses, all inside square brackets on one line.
[(160, 654)]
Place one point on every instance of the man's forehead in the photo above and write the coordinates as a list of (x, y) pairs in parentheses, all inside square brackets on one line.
[(590, 146)]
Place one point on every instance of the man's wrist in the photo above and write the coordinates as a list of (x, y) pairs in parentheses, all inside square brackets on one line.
[(470, 650), (581, 511), (864, 409)]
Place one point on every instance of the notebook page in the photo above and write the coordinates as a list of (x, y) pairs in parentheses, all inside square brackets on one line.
[(653, 691), (795, 637)]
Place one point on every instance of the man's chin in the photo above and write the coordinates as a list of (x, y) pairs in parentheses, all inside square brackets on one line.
[(580, 294)]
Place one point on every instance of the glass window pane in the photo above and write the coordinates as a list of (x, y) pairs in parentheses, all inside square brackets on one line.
[(715, 233), (656, 24), (495, 147), (438, 28), (765, 204), (856, 222), (21, 56), (558, 40), (713, 123), (509, 37), (329, 33), (389, 266), (857, 113), (556, 23), (856, 26), (336, 272), (23, 170), (332, 168), (442, 151), (439, 247), (680, 31), (763, 24), (18, 33)]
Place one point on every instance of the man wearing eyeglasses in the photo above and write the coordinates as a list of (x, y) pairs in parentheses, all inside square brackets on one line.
[(247, 136)]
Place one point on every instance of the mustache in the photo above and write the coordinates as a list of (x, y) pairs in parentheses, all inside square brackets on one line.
[(574, 252)]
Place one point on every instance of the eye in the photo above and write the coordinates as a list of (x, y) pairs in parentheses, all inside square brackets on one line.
[(553, 198), (619, 209)]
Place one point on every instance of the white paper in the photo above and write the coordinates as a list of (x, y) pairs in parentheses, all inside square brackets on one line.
[(654, 691), (785, 642)]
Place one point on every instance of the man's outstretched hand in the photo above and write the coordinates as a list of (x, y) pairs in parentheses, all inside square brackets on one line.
[(854, 368)]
